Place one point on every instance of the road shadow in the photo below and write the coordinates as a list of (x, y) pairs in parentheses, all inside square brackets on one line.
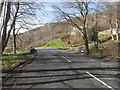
[(43, 60), (64, 69), (76, 76)]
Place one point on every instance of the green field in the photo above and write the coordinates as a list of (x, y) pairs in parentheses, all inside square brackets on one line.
[(55, 44)]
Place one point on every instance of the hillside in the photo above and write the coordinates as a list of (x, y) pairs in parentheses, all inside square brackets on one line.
[(48, 32), (48, 35), (107, 48), (42, 35)]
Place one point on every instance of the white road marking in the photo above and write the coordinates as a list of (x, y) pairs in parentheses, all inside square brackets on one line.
[(100, 81), (54, 57), (66, 59)]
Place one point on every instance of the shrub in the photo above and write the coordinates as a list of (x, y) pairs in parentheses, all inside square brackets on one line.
[(62, 37), (92, 34), (103, 38)]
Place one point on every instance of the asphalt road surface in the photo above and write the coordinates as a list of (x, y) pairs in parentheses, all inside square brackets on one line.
[(54, 68)]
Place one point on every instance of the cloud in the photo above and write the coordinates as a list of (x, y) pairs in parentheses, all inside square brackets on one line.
[(49, 9)]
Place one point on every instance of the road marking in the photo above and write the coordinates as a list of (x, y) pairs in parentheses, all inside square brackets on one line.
[(100, 81), (66, 59), (54, 57)]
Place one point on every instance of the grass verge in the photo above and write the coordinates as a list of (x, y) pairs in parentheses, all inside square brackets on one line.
[(58, 43), (9, 60)]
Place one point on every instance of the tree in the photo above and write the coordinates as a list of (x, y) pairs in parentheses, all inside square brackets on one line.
[(13, 14), (14, 35), (1, 7), (108, 12), (95, 26), (4, 31), (112, 12), (117, 19), (93, 36), (81, 12)]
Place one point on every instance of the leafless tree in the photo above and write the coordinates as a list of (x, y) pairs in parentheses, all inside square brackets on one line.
[(108, 11), (14, 35), (6, 18), (95, 17), (117, 19), (1, 7), (12, 13), (111, 11), (82, 10)]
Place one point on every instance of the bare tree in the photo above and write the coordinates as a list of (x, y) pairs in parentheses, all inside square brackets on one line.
[(108, 12), (14, 35), (6, 18), (95, 26), (117, 19), (1, 7), (111, 11), (82, 9), (13, 12)]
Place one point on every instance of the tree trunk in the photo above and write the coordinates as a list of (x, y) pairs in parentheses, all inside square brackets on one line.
[(4, 29), (86, 44), (117, 20), (117, 27), (5, 34), (96, 34), (87, 47), (96, 41), (1, 7), (14, 40), (0, 46), (111, 29)]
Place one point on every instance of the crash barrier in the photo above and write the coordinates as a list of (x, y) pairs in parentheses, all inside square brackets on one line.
[(77, 49)]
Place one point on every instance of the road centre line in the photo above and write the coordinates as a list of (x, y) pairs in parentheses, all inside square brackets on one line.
[(100, 81), (54, 56), (66, 59)]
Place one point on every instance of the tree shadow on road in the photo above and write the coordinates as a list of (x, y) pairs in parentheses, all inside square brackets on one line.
[(64, 69), (75, 76)]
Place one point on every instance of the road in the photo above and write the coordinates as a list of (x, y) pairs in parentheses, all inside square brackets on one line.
[(55, 68)]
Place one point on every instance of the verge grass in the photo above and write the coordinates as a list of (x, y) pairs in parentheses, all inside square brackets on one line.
[(58, 43), (9, 59), (104, 37)]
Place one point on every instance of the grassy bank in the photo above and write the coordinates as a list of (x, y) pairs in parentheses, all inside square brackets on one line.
[(9, 60), (107, 48), (58, 43)]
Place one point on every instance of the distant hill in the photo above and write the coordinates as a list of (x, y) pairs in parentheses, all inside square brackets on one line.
[(48, 32), (42, 35)]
